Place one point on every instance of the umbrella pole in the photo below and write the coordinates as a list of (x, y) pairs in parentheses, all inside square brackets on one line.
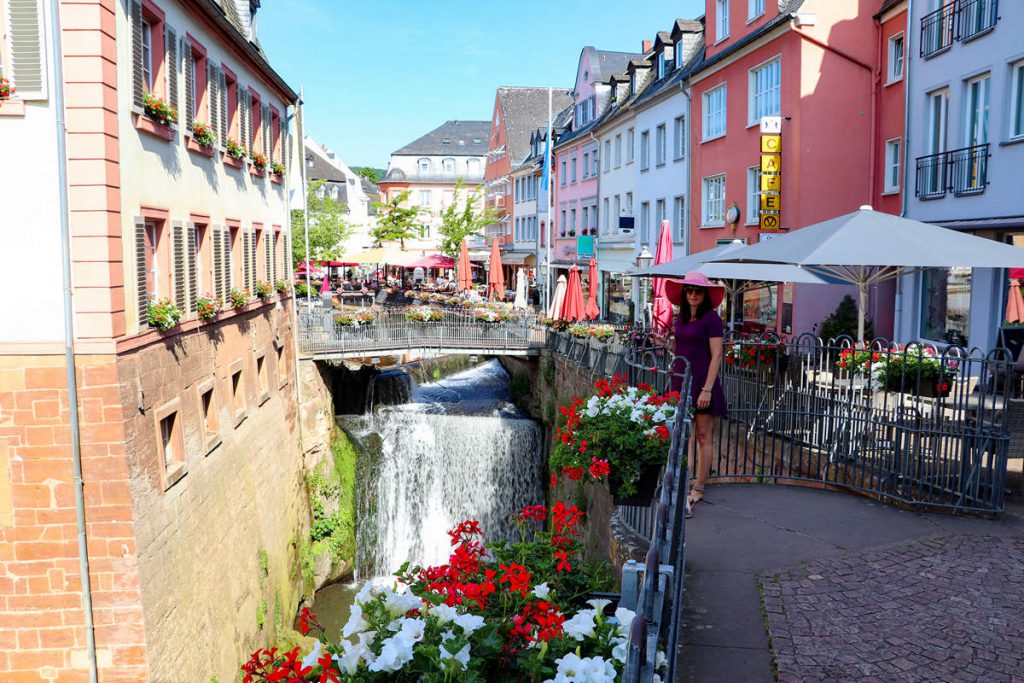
[(862, 291)]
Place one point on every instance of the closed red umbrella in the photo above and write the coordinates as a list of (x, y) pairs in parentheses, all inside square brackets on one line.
[(1014, 303), (497, 275), (573, 308), (465, 269), (592, 311), (662, 310), (326, 286)]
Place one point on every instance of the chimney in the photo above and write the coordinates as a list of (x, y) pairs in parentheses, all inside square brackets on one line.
[(645, 47)]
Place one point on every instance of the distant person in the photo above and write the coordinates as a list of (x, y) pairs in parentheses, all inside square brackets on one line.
[(699, 333)]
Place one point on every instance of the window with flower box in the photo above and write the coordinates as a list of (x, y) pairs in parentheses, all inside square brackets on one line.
[(255, 119), (154, 56)]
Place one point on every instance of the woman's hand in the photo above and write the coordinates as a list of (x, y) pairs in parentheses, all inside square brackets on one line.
[(704, 399)]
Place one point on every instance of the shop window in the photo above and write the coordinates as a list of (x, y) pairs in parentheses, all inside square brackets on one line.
[(760, 307), (946, 304)]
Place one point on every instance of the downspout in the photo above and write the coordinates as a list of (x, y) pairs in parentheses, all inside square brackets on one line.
[(683, 88), (69, 339), (907, 71)]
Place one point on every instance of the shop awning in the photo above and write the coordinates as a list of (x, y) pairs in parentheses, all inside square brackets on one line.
[(518, 258)]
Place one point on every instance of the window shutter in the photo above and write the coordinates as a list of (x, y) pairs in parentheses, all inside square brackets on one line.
[(286, 254), (252, 261), (267, 131), (284, 146), (222, 87), (190, 86), (213, 97), (245, 258), (190, 258), (171, 43), (178, 256), (138, 83), (229, 274), (243, 114), (218, 263), (281, 139), (27, 46), (268, 238), (141, 288)]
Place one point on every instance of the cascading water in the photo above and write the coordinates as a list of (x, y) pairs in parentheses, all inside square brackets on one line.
[(459, 449)]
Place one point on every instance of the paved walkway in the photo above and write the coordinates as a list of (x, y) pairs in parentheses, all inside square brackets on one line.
[(853, 590)]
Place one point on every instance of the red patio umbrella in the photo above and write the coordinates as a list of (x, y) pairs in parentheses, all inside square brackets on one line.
[(573, 308), (593, 311), (465, 269), (326, 286), (433, 261), (662, 312), (496, 288)]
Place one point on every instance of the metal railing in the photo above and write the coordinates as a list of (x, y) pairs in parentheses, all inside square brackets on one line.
[(956, 20), (938, 29), (455, 332), (923, 429), (960, 171), (975, 17)]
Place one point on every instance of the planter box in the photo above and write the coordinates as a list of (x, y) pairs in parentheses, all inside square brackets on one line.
[(927, 388), (233, 162)]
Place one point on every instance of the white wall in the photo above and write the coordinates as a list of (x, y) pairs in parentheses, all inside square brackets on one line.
[(30, 244), (615, 250), (410, 165), (662, 182)]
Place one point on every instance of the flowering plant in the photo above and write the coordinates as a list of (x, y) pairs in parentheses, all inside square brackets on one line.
[(620, 431), (277, 168), (281, 286), (263, 289), (235, 149), (901, 367), (162, 314), (6, 89), (572, 232), (487, 615), (749, 352), (239, 297), (363, 316), (208, 306), (467, 303), (423, 314), (203, 134), (159, 110), (585, 331), (555, 323), (453, 301), (485, 314), (259, 160)]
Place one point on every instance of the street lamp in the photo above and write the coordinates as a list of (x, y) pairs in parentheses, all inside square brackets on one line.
[(643, 262), (544, 268)]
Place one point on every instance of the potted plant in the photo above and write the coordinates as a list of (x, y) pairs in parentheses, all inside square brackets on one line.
[(259, 161), (159, 110), (423, 314), (277, 168), (263, 289), (162, 314), (572, 232), (281, 286), (234, 149), (203, 135), (208, 306), (756, 355), (238, 297), (915, 369), (621, 432), (6, 89)]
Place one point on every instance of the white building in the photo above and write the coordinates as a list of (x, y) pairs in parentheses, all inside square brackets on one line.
[(345, 187)]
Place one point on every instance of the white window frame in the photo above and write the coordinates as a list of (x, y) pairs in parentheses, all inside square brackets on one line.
[(660, 145), (712, 117), (604, 216), (984, 83), (753, 195), (677, 54), (618, 150), (936, 146), (586, 165), (708, 218), (564, 176), (147, 56), (572, 169), (896, 63), (629, 203), (755, 108), (425, 195), (893, 165), (448, 163), (607, 155), (645, 222), (645, 150), (679, 218), (660, 214), (661, 65), (679, 131), (630, 145), (721, 20), (423, 165), (617, 206), (1016, 100), (755, 8)]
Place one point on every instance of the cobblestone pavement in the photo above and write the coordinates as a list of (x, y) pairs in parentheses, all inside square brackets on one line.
[(948, 607)]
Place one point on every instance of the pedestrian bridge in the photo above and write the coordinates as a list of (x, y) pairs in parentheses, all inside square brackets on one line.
[(392, 333)]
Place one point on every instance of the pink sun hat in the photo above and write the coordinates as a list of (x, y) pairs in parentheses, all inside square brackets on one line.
[(674, 288)]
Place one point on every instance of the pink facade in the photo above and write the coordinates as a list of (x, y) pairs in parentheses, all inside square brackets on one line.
[(826, 95)]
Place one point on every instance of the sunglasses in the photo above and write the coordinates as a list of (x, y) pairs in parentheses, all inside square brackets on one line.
[(693, 290)]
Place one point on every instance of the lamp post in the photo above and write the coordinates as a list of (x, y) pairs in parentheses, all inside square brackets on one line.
[(544, 267), (643, 262)]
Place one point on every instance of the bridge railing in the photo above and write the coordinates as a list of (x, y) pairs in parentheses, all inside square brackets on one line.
[(454, 331)]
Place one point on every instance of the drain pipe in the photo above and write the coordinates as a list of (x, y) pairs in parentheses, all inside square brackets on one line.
[(69, 338), (907, 72)]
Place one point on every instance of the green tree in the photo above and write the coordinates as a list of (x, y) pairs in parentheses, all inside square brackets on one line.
[(844, 321), (463, 219), (395, 221), (372, 174), (327, 227)]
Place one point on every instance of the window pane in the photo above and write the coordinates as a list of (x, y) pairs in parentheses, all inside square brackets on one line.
[(945, 304)]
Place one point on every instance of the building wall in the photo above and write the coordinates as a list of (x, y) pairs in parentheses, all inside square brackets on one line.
[(498, 193), (616, 250), (891, 114), (667, 181), (738, 26)]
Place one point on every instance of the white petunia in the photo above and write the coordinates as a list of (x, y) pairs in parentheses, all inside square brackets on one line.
[(541, 591), (411, 631), (356, 623), (314, 654), (365, 593), (462, 656), (580, 626), (400, 603), (598, 605), (469, 622), (620, 646), (351, 655), (394, 654), (660, 660), (443, 613), (658, 416), (625, 618)]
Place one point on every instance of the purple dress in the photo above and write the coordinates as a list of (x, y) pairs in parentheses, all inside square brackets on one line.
[(692, 343)]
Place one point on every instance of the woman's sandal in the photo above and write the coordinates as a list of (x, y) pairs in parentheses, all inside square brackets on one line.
[(696, 496)]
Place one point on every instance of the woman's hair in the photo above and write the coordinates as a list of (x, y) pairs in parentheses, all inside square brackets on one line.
[(704, 307)]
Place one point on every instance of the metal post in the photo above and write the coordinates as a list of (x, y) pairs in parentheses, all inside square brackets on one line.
[(550, 210), (305, 193)]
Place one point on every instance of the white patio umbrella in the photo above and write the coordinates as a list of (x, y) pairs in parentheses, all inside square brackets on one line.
[(737, 278), (866, 247), (555, 312), (520, 301)]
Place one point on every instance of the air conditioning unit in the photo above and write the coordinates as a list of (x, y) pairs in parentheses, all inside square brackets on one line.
[(626, 225)]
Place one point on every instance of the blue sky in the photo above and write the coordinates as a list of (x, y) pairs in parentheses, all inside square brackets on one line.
[(377, 76)]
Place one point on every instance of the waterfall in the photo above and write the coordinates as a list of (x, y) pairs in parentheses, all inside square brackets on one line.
[(458, 450), (389, 387)]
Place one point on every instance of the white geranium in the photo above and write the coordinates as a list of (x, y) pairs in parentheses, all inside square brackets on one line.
[(541, 591), (581, 625)]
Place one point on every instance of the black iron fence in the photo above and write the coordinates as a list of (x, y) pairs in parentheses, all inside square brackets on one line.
[(956, 20), (915, 426), (960, 171)]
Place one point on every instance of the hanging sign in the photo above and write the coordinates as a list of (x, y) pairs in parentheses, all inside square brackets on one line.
[(770, 202)]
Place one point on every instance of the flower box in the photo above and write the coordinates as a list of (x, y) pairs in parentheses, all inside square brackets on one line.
[(233, 162), (926, 388)]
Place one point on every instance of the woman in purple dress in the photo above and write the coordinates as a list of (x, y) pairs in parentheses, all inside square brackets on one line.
[(699, 332)]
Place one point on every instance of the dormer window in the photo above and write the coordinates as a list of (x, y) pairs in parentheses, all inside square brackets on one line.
[(448, 165), (661, 65), (446, 141), (679, 54), (424, 165), (632, 84)]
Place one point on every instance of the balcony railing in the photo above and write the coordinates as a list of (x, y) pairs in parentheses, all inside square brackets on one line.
[(960, 171), (956, 20)]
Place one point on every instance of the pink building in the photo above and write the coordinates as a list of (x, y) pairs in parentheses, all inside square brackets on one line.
[(576, 159), (815, 64)]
